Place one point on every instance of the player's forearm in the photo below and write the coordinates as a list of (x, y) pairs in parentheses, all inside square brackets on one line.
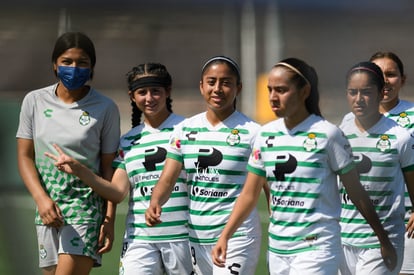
[(30, 178), (100, 185), (362, 202)]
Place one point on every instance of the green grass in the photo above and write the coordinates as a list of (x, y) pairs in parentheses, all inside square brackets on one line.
[(18, 253)]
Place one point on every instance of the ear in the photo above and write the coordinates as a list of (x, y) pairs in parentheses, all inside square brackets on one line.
[(201, 87), (403, 79), (55, 68), (131, 96), (239, 88), (306, 90), (381, 94), (168, 91)]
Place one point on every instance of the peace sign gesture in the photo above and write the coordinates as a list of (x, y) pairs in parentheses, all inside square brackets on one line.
[(64, 162)]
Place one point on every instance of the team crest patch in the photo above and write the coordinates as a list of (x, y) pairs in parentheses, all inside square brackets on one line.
[(403, 120), (384, 143), (42, 252), (233, 138), (84, 118), (310, 142)]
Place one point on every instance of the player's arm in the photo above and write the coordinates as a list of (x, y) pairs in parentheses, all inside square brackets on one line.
[(361, 200), (114, 190), (244, 205), (162, 190), (107, 230), (48, 210), (409, 181)]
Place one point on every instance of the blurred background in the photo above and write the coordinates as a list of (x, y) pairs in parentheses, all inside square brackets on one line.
[(182, 34)]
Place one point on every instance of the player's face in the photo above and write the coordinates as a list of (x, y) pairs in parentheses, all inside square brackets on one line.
[(219, 88), (363, 97), (286, 100), (393, 79), (74, 57), (151, 101)]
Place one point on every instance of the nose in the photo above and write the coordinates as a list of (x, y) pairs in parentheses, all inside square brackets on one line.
[(148, 95), (359, 96), (272, 95), (217, 87)]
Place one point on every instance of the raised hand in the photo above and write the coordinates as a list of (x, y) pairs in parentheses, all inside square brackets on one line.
[(63, 162)]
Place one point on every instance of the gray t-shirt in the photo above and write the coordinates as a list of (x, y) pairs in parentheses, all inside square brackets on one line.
[(84, 130)]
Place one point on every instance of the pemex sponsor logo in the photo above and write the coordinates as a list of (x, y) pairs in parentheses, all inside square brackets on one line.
[(206, 173), (284, 165), (206, 159), (153, 156)]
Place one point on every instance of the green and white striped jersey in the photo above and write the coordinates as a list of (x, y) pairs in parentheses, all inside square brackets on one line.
[(301, 167), (142, 154), (84, 130), (381, 154), (215, 160), (403, 114)]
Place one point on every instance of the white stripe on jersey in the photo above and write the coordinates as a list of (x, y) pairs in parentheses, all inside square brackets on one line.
[(380, 153), (215, 160), (142, 154), (301, 167)]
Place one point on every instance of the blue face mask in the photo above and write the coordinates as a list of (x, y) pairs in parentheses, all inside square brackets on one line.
[(73, 77)]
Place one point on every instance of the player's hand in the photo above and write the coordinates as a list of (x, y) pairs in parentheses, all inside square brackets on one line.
[(63, 162), (153, 215), (106, 236), (218, 253), (50, 212), (389, 255)]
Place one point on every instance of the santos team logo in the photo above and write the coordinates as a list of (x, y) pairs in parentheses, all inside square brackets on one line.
[(384, 144), (403, 120), (84, 119)]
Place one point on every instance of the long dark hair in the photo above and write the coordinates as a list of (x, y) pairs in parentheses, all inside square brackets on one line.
[(373, 71), (221, 59), (303, 75), (71, 40), (390, 55), (155, 71)]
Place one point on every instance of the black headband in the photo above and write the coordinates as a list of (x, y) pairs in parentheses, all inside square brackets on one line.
[(222, 58), (149, 81)]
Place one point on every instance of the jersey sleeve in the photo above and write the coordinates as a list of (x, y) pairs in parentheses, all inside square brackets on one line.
[(256, 164), (339, 152), (25, 128), (174, 148)]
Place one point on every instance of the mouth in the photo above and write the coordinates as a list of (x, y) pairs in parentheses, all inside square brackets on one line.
[(216, 99), (388, 89), (358, 108)]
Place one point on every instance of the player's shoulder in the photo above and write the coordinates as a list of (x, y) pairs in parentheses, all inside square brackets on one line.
[(40, 93)]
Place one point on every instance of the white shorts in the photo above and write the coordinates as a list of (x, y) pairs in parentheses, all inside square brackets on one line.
[(242, 257), (315, 262), (74, 239), (155, 258), (367, 261), (408, 262)]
